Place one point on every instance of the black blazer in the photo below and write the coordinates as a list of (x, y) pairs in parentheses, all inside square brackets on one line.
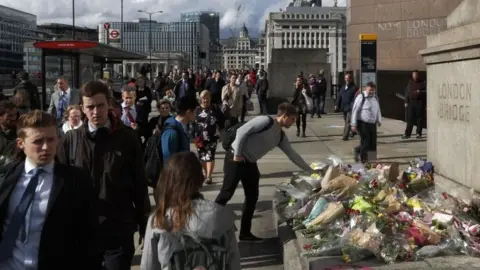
[(190, 91), (67, 240)]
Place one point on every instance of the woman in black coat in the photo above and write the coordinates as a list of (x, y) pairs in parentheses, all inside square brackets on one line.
[(299, 100)]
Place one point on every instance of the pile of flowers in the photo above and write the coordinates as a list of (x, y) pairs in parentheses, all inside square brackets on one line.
[(362, 211)]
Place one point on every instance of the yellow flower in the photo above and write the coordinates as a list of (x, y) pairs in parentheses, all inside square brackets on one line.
[(380, 215)]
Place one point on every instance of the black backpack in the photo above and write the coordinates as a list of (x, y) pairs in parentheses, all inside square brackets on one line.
[(153, 155), (197, 253), (231, 133)]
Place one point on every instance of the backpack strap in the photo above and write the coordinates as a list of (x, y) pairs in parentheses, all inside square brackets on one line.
[(268, 126)]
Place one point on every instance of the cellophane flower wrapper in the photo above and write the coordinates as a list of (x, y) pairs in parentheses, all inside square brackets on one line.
[(328, 242), (449, 246), (423, 234), (396, 248), (340, 187), (306, 209), (335, 210), (320, 206), (362, 244)]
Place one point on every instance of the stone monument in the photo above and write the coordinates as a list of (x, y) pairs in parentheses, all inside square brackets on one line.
[(453, 71)]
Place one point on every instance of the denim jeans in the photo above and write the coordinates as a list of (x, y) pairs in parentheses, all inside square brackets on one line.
[(316, 106)]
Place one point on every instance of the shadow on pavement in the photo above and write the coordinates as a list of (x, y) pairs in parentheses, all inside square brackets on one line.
[(401, 157), (309, 141), (217, 185), (260, 207), (277, 175), (267, 253), (404, 141), (390, 136)]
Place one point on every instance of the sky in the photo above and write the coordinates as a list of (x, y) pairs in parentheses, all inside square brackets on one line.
[(92, 12)]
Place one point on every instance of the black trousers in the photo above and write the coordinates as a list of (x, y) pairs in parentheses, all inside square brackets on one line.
[(244, 109), (248, 174), (368, 139), (415, 116), (230, 121), (262, 100), (301, 117), (116, 250)]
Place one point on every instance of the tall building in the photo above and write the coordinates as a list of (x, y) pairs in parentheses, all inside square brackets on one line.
[(240, 53), (65, 31), (209, 18), (190, 38), (16, 28), (305, 24)]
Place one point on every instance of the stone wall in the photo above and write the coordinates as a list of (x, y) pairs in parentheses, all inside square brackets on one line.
[(288, 63), (401, 25), (453, 61)]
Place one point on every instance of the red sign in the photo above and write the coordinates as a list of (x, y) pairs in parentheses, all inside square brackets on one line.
[(106, 26), (65, 44), (114, 34)]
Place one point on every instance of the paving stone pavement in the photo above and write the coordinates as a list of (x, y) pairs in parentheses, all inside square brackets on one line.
[(323, 139)]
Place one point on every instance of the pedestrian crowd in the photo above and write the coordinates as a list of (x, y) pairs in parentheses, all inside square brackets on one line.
[(74, 178)]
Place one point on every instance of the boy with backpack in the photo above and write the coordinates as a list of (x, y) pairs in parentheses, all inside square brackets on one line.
[(173, 139), (245, 145)]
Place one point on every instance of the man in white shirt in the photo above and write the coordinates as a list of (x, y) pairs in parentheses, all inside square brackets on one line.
[(365, 117), (47, 217)]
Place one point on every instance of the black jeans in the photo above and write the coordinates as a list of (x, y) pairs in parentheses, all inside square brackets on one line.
[(117, 250), (244, 109), (262, 101), (248, 174), (368, 139), (301, 116), (415, 116)]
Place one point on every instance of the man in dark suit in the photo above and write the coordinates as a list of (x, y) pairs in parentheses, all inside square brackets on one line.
[(133, 115), (345, 99), (185, 87), (46, 208)]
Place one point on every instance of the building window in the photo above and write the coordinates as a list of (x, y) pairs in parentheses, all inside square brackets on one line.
[(285, 27)]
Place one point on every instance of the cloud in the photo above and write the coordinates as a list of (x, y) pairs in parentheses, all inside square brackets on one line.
[(93, 12)]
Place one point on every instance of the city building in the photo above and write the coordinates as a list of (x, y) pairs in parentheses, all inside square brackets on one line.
[(241, 52), (65, 31), (209, 18), (400, 35), (308, 25), (190, 38), (16, 28), (260, 58)]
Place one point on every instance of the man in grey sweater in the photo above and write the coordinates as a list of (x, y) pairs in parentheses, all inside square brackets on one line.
[(253, 141)]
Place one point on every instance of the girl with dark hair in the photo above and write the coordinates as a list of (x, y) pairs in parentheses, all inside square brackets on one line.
[(182, 210)]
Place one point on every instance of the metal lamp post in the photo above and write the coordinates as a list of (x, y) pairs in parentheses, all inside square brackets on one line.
[(150, 36)]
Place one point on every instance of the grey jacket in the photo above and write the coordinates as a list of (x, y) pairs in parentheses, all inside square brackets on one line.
[(210, 220), (74, 100)]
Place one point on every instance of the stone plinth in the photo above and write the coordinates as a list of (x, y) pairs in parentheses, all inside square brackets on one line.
[(453, 61)]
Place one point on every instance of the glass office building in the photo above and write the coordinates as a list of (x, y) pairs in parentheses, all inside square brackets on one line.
[(191, 38), (209, 18), (16, 28)]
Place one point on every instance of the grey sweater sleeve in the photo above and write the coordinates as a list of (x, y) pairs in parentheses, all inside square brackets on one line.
[(253, 126), (293, 155)]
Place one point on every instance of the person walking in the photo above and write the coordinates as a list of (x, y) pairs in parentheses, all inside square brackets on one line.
[(300, 96), (366, 116)]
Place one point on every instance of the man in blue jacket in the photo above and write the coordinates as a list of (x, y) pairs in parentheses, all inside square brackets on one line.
[(345, 99), (175, 137)]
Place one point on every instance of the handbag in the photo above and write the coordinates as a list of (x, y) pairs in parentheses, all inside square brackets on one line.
[(308, 100)]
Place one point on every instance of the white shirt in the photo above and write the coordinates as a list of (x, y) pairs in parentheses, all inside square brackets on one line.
[(133, 112), (25, 254), (369, 112)]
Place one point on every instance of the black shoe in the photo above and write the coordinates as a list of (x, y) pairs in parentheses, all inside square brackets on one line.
[(419, 136), (298, 133), (405, 137), (250, 238), (312, 116), (345, 139), (319, 116), (356, 155), (303, 135)]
